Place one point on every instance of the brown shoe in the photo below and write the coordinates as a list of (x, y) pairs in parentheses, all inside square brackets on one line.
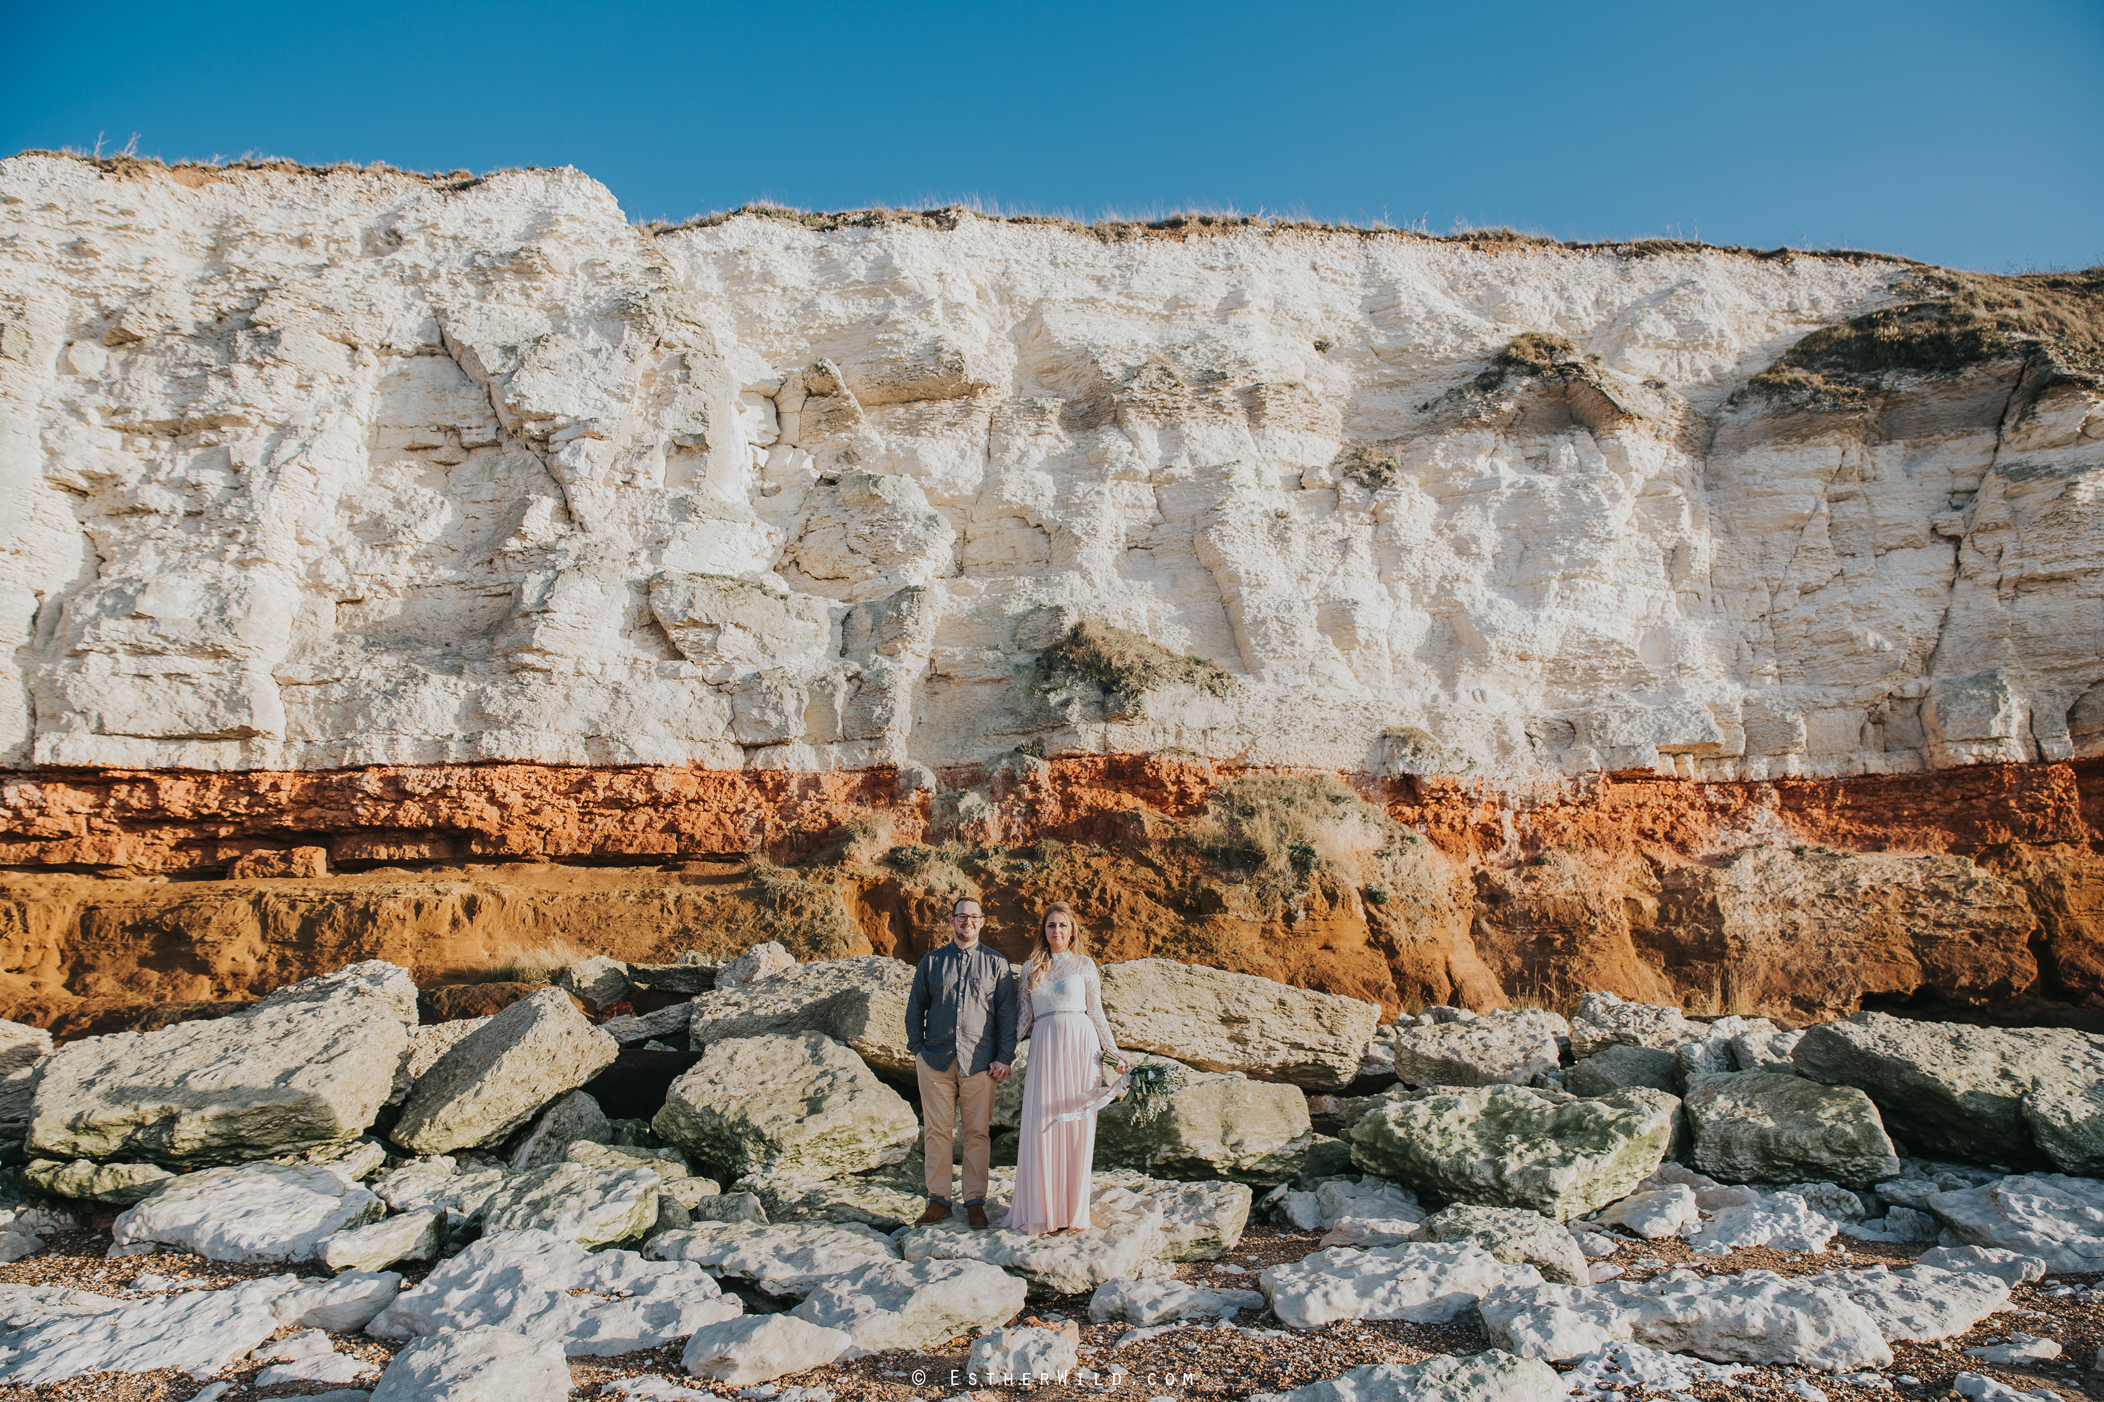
[(937, 1212), (975, 1213)]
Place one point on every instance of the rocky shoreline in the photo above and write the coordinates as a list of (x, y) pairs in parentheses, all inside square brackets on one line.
[(319, 1195)]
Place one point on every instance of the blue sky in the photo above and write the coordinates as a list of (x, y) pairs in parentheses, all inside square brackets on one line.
[(1970, 134)]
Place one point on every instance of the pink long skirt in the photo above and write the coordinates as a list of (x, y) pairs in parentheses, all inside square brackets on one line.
[(1053, 1160)]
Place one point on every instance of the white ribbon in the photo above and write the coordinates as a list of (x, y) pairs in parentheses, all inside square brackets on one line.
[(1116, 1089)]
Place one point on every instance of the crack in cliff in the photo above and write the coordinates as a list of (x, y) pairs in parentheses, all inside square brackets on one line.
[(1943, 620), (511, 437), (2001, 421)]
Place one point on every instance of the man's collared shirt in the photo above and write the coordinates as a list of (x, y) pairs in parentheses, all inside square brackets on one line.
[(962, 1008)]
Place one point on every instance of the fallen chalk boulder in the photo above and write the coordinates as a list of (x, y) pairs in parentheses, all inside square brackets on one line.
[(504, 1073)]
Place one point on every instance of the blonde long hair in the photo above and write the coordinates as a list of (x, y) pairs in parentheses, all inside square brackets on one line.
[(1040, 961)]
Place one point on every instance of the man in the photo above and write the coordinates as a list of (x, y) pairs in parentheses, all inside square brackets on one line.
[(960, 1027)]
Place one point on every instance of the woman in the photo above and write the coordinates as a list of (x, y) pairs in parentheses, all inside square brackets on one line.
[(1063, 1018)]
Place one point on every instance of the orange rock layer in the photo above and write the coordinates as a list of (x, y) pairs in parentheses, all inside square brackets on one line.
[(162, 821), (1980, 887)]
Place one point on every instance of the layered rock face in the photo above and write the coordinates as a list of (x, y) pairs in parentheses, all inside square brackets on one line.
[(313, 470), (357, 518)]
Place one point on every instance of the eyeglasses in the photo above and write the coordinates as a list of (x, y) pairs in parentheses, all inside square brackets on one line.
[(969, 919)]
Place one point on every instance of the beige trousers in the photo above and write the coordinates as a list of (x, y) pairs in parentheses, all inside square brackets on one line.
[(941, 1094)]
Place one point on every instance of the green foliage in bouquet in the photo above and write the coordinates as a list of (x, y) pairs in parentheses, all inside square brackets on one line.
[(1153, 1085)]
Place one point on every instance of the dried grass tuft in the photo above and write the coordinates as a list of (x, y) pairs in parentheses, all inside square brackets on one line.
[(806, 916), (533, 963), (2053, 321), (1288, 829), (1123, 662)]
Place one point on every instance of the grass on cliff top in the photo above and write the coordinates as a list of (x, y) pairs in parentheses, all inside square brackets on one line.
[(2055, 321), (1176, 226), (1182, 225), (1124, 662)]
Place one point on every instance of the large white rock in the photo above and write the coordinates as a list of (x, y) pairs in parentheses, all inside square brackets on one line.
[(761, 1348), (1765, 1049), (54, 1336), (1918, 1304), (1512, 1235), (913, 1304), (370, 978), (1218, 1125), (1421, 1283), (590, 1206), (1756, 1317), (1145, 1302), (886, 1200), (406, 1236), (477, 1365), (543, 1287), (502, 1074), (343, 1305), (1784, 1221), (325, 1367), (1618, 1064), (426, 1046), (574, 1117), (307, 1343), (860, 1002), (1491, 1376), (795, 1106), (1200, 1221), (667, 1025), (261, 1212), (438, 1182), (1949, 1088), (1621, 1366), (1125, 1232), (598, 980), (1502, 1049), (789, 1259), (1657, 1212), (1332, 1202), (1768, 1127), (1220, 1021), (1505, 1146), (1604, 1020), (2058, 1219), (21, 1046), (2009, 1267), (1372, 1231), (115, 1184), (763, 960), (308, 1066)]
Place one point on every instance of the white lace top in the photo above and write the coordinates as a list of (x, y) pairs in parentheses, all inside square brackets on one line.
[(1071, 985)]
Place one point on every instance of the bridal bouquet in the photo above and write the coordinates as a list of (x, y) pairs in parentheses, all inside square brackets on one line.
[(1150, 1086)]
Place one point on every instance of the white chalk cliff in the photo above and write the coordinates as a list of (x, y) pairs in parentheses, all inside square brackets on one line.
[(317, 469)]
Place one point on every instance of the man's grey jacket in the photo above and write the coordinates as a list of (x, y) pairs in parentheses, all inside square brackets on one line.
[(962, 1008)]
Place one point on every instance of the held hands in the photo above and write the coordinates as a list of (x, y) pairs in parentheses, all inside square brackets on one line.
[(998, 1071), (1123, 1067)]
